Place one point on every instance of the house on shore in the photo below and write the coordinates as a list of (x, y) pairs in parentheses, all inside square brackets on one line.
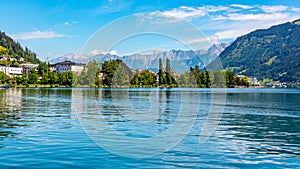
[(253, 81), (27, 67), (68, 66), (11, 70)]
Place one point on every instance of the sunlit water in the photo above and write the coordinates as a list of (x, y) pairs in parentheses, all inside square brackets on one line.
[(39, 128)]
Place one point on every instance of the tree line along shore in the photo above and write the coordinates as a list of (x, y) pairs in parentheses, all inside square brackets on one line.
[(115, 73)]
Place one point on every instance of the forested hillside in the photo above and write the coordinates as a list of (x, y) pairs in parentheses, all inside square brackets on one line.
[(267, 53), (12, 49)]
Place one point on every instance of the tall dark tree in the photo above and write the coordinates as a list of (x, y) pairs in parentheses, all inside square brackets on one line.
[(170, 80), (168, 66), (208, 79), (161, 73), (192, 78), (230, 78)]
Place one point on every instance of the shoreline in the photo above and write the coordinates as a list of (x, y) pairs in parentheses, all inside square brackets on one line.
[(84, 86)]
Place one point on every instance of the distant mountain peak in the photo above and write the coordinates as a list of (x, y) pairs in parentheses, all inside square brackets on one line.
[(181, 60), (158, 51), (75, 57)]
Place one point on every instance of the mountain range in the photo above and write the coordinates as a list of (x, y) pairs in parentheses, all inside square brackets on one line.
[(180, 60), (271, 53)]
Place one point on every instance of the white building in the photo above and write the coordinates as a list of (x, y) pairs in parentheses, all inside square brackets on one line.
[(27, 67), (11, 70), (69, 66), (253, 81)]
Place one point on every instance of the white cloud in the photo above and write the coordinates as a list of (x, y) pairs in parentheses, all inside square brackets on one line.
[(97, 52), (204, 39), (38, 35), (186, 8), (295, 9), (211, 8), (230, 34), (230, 12), (244, 17), (67, 24), (241, 6), (230, 21), (249, 16), (219, 17), (70, 23), (184, 12), (235, 28), (275, 8)]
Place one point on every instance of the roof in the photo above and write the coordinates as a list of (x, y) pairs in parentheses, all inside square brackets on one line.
[(29, 65), (68, 62), (2, 65)]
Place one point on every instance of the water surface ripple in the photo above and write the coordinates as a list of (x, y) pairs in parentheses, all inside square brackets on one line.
[(259, 128)]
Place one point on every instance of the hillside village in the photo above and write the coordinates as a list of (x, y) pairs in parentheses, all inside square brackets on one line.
[(25, 68)]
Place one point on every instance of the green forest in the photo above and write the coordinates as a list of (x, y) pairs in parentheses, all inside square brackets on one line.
[(271, 53), (115, 73)]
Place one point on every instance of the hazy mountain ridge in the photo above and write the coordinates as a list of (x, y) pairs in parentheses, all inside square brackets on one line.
[(180, 60)]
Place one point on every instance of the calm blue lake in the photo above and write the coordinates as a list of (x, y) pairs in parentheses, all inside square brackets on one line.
[(149, 128)]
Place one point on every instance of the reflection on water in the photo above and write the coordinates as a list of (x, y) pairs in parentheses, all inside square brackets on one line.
[(10, 111), (264, 123), (259, 128), (20, 108)]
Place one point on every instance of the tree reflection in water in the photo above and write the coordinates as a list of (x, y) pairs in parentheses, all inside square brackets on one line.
[(10, 111)]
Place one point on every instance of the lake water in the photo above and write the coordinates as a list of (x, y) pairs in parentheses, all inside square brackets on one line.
[(149, 128)]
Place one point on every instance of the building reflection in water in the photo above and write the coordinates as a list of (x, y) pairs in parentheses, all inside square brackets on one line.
[(10, 111)]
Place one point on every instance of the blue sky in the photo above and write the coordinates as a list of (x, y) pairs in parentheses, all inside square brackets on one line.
[(56, 27)]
